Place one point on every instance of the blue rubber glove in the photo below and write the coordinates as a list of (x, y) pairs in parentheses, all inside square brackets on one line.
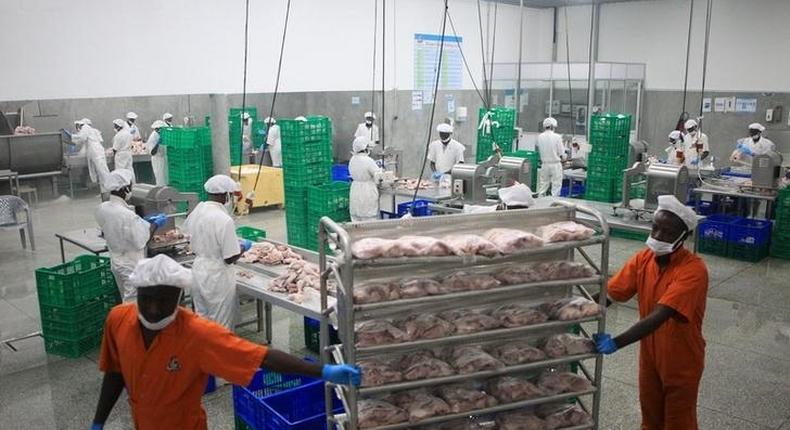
[(604, 343), (342, 374), (437, 175), (695, 162), (97, 426), (158, 220), (245, 245), (744, 148)]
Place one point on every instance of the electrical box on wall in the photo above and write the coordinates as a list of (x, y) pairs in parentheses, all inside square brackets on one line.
[(769, 115)]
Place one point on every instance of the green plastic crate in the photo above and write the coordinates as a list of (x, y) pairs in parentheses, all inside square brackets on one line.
[(185, 137), (501, 132), (629, 235), (237, 111), (745, 252), (297, 237), (241, 424), (295, 133), (780, 246), (71, 348), (712, 246), (85, 278), (331, 197), (310, 174), (250, 233), (307, 153)]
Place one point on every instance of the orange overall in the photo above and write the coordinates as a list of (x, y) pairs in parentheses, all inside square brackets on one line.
[(672, 358), (166, 382)]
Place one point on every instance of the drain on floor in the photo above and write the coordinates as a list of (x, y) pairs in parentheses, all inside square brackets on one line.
[(10, 343)]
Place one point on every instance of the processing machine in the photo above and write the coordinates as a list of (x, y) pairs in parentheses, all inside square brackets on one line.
[(150, 199), (478, 183), (658, 179)]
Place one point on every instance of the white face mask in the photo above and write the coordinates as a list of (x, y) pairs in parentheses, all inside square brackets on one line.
[(661, 248), (229, 206), (756, 137), (693, 133), (159, 325), (369, 123)]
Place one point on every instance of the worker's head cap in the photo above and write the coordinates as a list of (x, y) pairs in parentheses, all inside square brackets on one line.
[(160, 270), (756, 126), (119, 178), (221, 184), (245, 115), (300, 118), (675, 135), (158, 124), (86, 121), (131, 115), (167, 116), (549, 122), (270, 120), (370, 115), (119, 123), (360, 144), (444, 128), (79, 122), (690, 124), (516, 195), (671, 204)]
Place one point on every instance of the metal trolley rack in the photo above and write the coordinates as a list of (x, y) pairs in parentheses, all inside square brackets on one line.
[(345, 271)]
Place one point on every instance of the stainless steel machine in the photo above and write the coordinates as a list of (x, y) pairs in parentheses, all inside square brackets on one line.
[(479, 183), (150, 199), (637, 152), (766, 169), (517, 169), (32, 154), (659, 179), (469, 182)]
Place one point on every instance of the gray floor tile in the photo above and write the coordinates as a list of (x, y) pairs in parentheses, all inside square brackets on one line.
[(14, 322), (620, 406), (786, 425), (710, 419), (754, 287), (748, 328)]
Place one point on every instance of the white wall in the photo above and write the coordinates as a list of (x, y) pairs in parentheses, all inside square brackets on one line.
[(105, 48)]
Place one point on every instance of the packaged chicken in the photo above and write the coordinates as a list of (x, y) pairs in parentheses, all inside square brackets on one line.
[(515, 275), (470, 244), (520, 420), (563, 415), (376, 332), (554, 383), (468, 321), (377, 372), (373, 247), (424, 365), (471, 359), (563, 269), (423, 246), (376, 292), (570, 309), (565, 231), (561, 345), (515, 315), (420, 287), (465, 281), (509, 241), (517, 352), (420, 404), (426, 326), (465, 398), (377, 413), (510, 389)]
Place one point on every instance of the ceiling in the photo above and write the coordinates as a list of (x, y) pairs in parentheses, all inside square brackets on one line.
[(557, 3)]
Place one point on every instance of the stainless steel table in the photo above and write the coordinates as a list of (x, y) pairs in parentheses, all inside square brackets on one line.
[(769, 199), (89, 239), (430, 194)]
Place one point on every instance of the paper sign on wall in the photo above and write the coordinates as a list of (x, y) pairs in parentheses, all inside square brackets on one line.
[(354, 101), (706, 104), (450, 103), (729, 104), (719, 104), (510, 99), (416, 100), (746, 105)]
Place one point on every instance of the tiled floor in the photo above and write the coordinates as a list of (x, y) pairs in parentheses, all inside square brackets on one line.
[(746, 385)]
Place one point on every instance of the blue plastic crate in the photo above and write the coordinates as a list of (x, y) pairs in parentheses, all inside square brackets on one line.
[(706, 208), (312, 333), (750, 232), (340, 173), (421, 208), (388, 215), (248, 401), (211, 385), (717, 227), (578, 189), (301, 408)]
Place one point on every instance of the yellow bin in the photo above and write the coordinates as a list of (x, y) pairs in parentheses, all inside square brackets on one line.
[(269, 191)]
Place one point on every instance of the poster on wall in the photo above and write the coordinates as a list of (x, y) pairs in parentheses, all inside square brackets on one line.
[(706, 104), (416, 100), (450, 103), (719, 103), (746, 105), (729, 104), (426, 63)]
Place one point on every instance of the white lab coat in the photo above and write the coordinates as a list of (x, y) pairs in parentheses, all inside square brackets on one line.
[(691, 149), (275, 145), (762, 146), (134, 131), (672, 157), (446, 156), (122, 144), (158, 160), (246, 142), (126, 235), (213, 239), (95, 155), (364, 195), (551, 152), (579, 156), (372, 133)]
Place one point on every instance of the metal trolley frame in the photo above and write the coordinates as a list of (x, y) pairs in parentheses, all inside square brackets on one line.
[(344, 271)]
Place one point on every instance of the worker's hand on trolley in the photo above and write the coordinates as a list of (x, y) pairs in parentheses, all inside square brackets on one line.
[(342, 374), (437, 175), (745, 150), (604, 343), (158, 220), (97, 426), (245, 245)]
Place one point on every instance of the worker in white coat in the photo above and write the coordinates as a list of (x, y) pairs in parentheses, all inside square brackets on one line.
[(580, 150), (168, 119), (697, 145), (445, 152), (552, 153), (274, 142), (122, 146), (95, 155), (246, 139), (368, 128), (157, 151), (126, 233), (131, 121), (366, 176), (676, 148), (216, 248)]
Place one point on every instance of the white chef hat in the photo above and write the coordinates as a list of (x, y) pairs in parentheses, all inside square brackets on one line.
[(269, 120), (167, 116), (675, 135), (79, 122), (246, 115), (444, 128), (160, 270), (119, 178), (690, 124), (756, 126), (86, 121), (119, 122), (370, 115), (131, 115), (220, 184), (516, 195), (360, 144), (671, 204), (158, 124), (549, 122)]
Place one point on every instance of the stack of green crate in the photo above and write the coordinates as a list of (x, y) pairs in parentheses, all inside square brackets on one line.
[(189, 158), (307, 160), (74, 299), (235, 119), (534, 160), (330, 200), (609, 137), (503, 122), (780, 239)]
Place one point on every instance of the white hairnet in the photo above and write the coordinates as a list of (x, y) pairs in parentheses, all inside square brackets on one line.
[(370, 115), (245, 115), (158, 124), (549, 122), (131, 115), (671, 203), (86, 121), (300, 118), (167, 116), (119, 122), (118, 179), (79, 122), (756, 126), (690, 124), (160, 270), (516, 195), (220, 184), (360, 144), (270, 121), (675, 134), (444, 128)]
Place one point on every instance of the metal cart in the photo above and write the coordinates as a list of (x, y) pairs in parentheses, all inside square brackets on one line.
[(345, 272)]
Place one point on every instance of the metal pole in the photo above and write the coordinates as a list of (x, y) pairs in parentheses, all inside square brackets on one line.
[(219, 133), (593, 58), (638, 112), (520, 44)]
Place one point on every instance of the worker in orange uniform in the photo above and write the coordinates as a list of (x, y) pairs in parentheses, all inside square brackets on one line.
[(672, 285), (162, 354)]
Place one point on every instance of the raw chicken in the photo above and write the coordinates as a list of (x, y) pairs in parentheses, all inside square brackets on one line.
[(422, 246), (471, 321), (24, 129), (472, 359), (425, 326), (518, 352), (270, 254), (518, 316), (571, 309), (420, 287), (510, 389), (563, 415), (554, 383), (465, 398), (373, 247), (413, 358), (426, 368), (171, 235), (300, 276), (556, 270), (454, 314), (376, 372), (564, 231), (243, 274), (464, 281), (509, 241), (518, 275), (375, 332), (470, 244), (376, 292), (421, 405), (413, 184), (520, 420), (376, 413), (560, 345)]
